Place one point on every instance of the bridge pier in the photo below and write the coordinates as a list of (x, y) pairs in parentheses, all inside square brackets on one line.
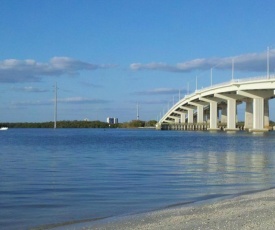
[(266, 113), (223, 113), (200, 110), (260, 114), (213, 113), (231, 110), (182, 117), (248, 119), (177, 120), (190, 113)]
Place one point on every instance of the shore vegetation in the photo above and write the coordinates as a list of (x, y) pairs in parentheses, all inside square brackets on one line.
[(80, 124)]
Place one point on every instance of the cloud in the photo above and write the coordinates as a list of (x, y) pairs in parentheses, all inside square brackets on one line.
[(71, 100), (247, 62), (29, 89), (81, 100), (153, 102), (12, 70), (31, 103), (160, 91), (90, 85)]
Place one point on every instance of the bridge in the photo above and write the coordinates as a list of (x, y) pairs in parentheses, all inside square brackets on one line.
[(207, 108)]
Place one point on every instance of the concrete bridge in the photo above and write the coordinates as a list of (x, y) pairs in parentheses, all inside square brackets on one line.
[(205, 109)]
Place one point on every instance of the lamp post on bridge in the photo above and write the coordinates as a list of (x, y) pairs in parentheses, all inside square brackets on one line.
[(211, 76), (233, 69), (267, 63)]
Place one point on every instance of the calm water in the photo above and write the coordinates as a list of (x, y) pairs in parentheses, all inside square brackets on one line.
[(57, 176)]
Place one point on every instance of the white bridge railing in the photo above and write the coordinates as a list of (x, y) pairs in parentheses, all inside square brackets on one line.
[(229, 82)]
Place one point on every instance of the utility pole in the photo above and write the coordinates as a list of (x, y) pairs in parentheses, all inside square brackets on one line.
[(55, 106), (137, 112)]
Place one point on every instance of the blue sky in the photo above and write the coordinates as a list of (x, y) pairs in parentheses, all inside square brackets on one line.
[(108, 55)]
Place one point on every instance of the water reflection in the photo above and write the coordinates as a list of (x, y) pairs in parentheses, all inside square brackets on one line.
[(238, 163)]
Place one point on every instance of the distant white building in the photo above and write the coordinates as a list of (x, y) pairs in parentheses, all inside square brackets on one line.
[(112, 120)]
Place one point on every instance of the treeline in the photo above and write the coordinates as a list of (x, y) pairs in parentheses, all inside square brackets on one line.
[(138, 124), (89, 124), (79, 124), (59, 124)]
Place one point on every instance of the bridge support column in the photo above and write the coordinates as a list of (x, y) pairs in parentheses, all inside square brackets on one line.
[(266, 113), (231, 110), (213, 113), (200, 114), (182, 117), (177, 120), (231, 115), (258, 109), (224, 114), (190, 116), (258, 114), (207, 116), (248, 120), (190, 113), (200, 110)]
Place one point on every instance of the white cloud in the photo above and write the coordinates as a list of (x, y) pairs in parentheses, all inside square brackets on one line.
[(81, 100), (31, 103), (29, 89), (246, 62), (90, 85), (159, 91), (12, 70), (71, 100), (153, 102)]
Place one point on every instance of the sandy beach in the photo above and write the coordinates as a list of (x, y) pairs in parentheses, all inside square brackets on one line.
[(248, 211)]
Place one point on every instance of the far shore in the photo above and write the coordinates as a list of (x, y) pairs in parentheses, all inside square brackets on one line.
[(247, 211)]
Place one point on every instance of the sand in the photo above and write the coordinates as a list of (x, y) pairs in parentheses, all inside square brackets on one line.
[(248, 211)]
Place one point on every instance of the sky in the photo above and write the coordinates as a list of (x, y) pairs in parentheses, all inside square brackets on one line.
[(107, 56)]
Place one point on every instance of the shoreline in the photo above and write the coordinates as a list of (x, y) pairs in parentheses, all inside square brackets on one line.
[(248, 210)]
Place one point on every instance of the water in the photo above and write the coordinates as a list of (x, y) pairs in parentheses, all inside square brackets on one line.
[(68, 175)]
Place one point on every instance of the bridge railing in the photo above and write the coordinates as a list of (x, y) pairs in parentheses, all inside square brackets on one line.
[(254, 78), (229, 82)]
